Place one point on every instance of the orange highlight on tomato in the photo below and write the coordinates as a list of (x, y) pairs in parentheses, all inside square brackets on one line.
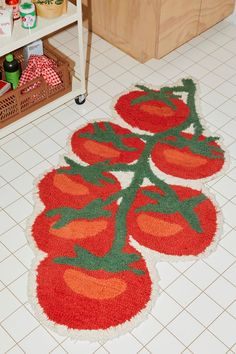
[(100, 149), (93, 288), (160, 111), (157, 227), (66, 185), (184, 159), (80, 229)]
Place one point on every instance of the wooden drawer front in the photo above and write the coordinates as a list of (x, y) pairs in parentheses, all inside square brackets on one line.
[(213, 11)]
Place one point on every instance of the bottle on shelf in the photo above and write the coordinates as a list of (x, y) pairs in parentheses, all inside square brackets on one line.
[(14, 4), (12, 70)]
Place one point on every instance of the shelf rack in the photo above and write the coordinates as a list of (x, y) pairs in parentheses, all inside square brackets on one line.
[(21, 37)]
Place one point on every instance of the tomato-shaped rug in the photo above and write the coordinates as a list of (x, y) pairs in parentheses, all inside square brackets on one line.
[(105, 141), (187, 157), (95, 235), (68, 187), (180, 224), (91, 299), (143, 110)]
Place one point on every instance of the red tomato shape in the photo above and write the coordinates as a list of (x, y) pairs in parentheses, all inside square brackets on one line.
[(92, 151), (90, 300), (154, 116), (183, 163), (64, 190), (94, 235), (171, 234)]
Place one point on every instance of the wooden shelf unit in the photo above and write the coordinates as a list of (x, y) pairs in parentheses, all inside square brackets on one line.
[(21, 37)]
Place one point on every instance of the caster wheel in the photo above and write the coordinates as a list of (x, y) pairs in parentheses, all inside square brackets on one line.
[(80, 99)]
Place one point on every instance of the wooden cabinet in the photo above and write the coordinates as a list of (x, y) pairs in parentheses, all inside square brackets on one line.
[(152, 28), (178, 23), (213, 11)]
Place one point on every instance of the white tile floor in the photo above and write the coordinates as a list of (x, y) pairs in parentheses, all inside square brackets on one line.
[(196, 311)]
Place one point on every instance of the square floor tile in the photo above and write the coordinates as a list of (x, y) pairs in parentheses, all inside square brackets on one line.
[(8, 195), (11, 170), (207, 343), (156, 79), (68, 115), (24, 183), (195, 54), (210, 62), (225, 71), (40, 340), (101, 61), (165, 309), (214, 98), (114, 54), (185, 328), (4, 157), (165, 343), (212, 80), (224, 328), (208, 275), (125, 343), (25, 255), (47, 148), (58, 350), (6, 222), (113, 88), (40, 168), (15, 147), (232, 309), (230, 274), (20, 209), (61, 137), (229, 107), (19, 288), (29, 159), (147, 330), (33, 136), (167, 274), (183, 291), (127, 62), (114, 70), (50, 126), (4, 252), (14, 270), (128, 79), (182, 63), (229, 242), (20, 323), (14, 238), (229, 213), (141, 71), (204, 309), (15, 350), (220, 260), (219, 119), (9, 303), (98, 97), (6, 341), (222, 291), (99, 78), (2, 182), (84, 347), (197, 72)]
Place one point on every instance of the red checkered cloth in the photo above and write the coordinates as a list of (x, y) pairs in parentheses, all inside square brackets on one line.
[(40, 65)]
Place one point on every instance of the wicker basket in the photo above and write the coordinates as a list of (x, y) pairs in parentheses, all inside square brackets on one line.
[(17, 103)]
